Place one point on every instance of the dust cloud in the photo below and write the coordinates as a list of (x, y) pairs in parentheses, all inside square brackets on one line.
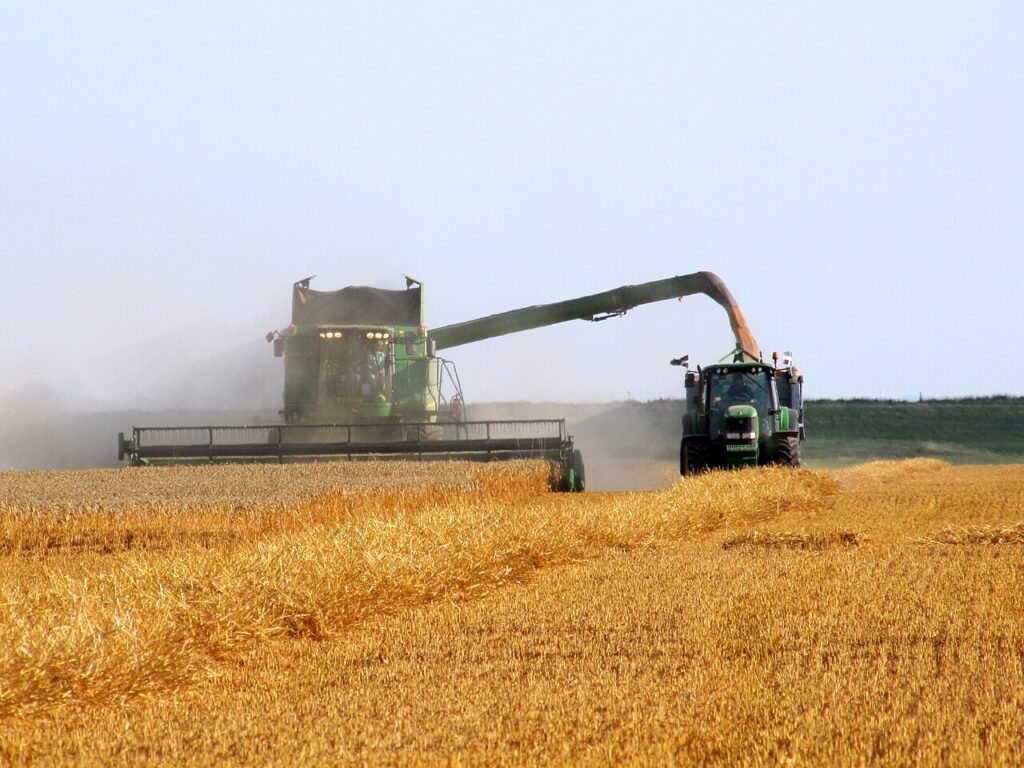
[(66, 426), (626, 446), (195, 375)]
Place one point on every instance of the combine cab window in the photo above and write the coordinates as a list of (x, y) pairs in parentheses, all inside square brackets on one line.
[(355, 369)]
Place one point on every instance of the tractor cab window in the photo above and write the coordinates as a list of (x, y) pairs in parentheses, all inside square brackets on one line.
[(355, 369), (741, 388), (738, 387)]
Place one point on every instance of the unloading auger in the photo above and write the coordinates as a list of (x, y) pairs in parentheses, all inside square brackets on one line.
[(601, 306)]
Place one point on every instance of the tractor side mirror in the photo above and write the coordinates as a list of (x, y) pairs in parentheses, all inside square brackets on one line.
[(690, 380), (431, 348), (278, 347)]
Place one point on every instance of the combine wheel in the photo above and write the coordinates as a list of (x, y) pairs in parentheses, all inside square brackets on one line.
[(693, 457), (787, 451), (579, 472)]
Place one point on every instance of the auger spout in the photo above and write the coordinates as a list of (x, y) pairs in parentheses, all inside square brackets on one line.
[(600, 306)]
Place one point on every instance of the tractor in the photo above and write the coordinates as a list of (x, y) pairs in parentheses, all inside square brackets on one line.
[(741, 412)]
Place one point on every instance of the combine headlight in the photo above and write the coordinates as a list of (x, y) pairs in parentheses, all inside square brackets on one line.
[(378, 335), (369, 335)]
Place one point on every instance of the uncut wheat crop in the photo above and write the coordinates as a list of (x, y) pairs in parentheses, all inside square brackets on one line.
[(420, 614)]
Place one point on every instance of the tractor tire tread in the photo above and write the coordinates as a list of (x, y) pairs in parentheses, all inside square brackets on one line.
[(693, 457), (787, 451)]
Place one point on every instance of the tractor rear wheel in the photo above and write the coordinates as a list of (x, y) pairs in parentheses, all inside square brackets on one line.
[(787, 451), (693, 457)]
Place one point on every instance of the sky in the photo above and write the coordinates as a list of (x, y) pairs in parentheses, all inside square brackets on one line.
[(852, 171)]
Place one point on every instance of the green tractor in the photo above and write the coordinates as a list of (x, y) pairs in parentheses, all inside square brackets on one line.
[(742, 412)]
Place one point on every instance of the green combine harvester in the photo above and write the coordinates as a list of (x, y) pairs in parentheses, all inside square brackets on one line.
[(364, 380)]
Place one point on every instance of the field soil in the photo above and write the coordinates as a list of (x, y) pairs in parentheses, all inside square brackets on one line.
[(873, 614)]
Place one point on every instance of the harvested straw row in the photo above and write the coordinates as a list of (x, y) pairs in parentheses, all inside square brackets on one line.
[(980, 534), (817, 541), (80, 524), (160, 620)]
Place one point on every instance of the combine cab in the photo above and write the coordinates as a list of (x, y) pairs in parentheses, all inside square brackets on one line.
[(360, 356)]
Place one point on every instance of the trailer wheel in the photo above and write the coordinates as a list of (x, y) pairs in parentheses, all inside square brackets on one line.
[(787, 451)]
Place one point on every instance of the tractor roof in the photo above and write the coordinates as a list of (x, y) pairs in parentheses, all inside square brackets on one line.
[(727, 367)]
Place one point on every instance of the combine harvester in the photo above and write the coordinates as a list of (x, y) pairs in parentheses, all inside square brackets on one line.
[(363, 379)]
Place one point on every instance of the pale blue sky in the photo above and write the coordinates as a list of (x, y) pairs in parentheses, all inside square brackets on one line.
[(852, 170)]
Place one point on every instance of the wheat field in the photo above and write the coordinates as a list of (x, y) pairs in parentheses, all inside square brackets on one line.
[(460, 614)]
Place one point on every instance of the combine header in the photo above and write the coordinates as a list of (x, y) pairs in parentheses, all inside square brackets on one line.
[(363, 380), (467, 440)]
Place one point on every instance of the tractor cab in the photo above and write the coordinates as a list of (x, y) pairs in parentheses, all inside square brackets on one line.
[(741, 400)]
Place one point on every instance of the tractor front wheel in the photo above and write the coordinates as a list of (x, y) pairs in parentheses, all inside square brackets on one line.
[(693, 457)]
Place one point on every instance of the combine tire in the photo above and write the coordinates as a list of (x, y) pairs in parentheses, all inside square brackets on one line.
[(787, 451), (693, 457), (578, 471)]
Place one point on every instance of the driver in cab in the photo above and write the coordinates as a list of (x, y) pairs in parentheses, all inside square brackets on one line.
[(740, 390)]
